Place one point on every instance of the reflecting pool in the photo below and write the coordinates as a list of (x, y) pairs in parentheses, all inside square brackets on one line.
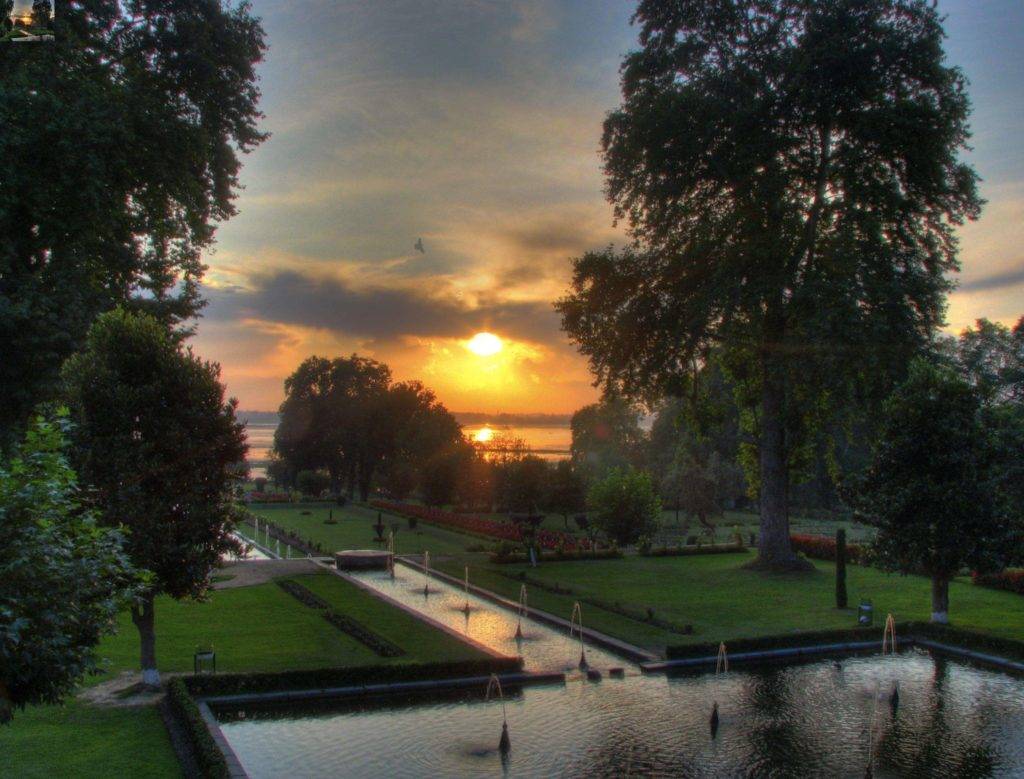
[(819, 719)]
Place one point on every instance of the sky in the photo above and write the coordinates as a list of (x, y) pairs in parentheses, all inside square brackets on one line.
[(474, 125)]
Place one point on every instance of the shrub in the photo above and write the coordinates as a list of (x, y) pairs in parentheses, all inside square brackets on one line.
[(687, 551), (1011, 580), (626, 505), (208, 756), (824, 548)]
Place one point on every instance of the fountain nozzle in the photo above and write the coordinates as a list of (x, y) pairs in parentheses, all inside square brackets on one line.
[(583, 661), (714, 720), (505, 744)]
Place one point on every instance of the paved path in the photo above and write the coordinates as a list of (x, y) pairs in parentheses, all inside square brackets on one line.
[(244, 573)]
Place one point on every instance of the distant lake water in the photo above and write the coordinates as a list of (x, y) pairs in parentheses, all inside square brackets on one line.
[(549, 442)]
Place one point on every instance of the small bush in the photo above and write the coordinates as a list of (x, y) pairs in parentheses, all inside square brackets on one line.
[(686, 551), (824, 548), (1011, 580)]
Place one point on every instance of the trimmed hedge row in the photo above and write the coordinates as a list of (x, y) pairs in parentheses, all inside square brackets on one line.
[(558, 556), (686, 551), (342, 622), (1011, 580), (946, 634), (824, 548), (648, 617), (208, 756), (320, 678)]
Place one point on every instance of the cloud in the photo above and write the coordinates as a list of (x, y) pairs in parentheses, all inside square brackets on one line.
[(994, 281), (320, 301)]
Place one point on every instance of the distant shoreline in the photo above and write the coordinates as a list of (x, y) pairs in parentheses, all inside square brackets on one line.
[(464, 417)]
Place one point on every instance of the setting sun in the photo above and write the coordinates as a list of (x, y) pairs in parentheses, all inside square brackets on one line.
[(484, 344), (483, 435)]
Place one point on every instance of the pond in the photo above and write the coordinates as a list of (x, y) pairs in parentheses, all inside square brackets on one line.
[(819, 719)]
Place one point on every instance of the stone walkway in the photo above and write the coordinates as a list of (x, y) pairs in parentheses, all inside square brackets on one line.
[(244, 573)]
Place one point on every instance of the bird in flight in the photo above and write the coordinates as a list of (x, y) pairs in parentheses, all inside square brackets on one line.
[(418, 246)]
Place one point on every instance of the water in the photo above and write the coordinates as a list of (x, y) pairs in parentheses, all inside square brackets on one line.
[(542, 648), (799, 721)]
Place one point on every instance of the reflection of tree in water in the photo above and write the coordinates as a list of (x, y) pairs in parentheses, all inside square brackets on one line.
[(780, 743), (918, 740)]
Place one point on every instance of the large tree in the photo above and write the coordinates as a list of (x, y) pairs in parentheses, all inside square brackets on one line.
[(789, 171), (931, 487), (606, 435), (63, 577), (120, 145), (159, 447)]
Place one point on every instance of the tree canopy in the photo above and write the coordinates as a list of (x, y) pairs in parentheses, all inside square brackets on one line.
[(64, 576), (625, 505), (790, 174), (159, 446), (121, 146)]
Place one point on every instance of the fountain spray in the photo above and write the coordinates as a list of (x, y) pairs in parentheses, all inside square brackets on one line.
[(577, 618), (522, 610), (465, 585), (504, 743), (426, 572)]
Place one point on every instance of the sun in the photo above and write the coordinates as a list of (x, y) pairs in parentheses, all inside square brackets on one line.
[(483, 435), (484, 344)]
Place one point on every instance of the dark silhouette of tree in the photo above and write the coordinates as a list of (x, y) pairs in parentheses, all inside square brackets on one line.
[(41, 12), (790, 174), (159, 447), (606, 435), (930, 487), (139, 115), (64, 577), (566, 491)]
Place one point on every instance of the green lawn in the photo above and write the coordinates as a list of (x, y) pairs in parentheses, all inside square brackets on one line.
[(354, 529), (723, 601), (257, 628)]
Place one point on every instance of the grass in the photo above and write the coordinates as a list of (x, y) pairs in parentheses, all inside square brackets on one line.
[(87, 741), (354, 529), (256, 628), (722, 600)]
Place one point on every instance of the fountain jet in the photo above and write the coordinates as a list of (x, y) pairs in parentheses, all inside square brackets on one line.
[(577, 619), (522, 610), (714, 720), (889, 634), (465, 585), (391, 553), (504, 743), (426, 572)]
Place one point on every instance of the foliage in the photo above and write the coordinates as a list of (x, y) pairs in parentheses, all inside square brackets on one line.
[(158, 445), (606, 435), (312, 482), (508, 531), (507, 554), (790, 174), (525, 484), (92, 213), (1011, 580), (991, 356), (440, 475), (566, 491), (690, 551), (824, 548), (41, 12), (62, 576), (625, 505), (928, 490), (208, 756), (345, 416)]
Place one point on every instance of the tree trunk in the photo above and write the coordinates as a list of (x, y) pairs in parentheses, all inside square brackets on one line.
[(774, 550), (6, 707), (142, 616), (940, 600)]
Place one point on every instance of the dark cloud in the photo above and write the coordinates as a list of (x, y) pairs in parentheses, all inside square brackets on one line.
[(995, 281), (294, 298)]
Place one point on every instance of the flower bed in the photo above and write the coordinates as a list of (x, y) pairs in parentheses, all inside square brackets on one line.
[(824, 548), (476, 525), (1011, 580)]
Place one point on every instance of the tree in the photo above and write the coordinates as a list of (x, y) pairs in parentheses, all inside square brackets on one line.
[(312, 482), (41, 12), (625, 505), (93, 214), (6, 9), (566, 492), (606, 435), (62, 576), (929, 488), (159, 447), (441, 475), (991, 356), (789, 173), (526, 484)]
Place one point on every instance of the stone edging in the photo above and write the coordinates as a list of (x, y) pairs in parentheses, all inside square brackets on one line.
[(235, 770), (614, 645)]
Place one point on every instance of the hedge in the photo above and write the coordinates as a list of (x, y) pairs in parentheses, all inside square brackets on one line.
[(342, 622), (251, 683), (481, 526), (559, 555), (824, 548), (1011, 580), (208, 756), (686, 551), (946, 634)]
